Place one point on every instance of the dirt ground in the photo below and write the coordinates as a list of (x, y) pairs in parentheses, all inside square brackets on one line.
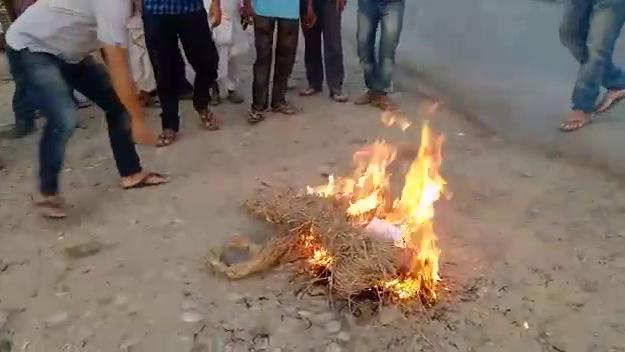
[(533, 247)]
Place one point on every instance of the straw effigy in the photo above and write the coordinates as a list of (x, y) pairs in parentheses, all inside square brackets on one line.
[(356, 264)]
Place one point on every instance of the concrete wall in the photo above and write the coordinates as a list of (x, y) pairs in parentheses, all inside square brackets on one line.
[(501, 61)]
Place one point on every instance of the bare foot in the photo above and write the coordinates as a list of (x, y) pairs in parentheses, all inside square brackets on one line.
[(611, 99), (576, 120)]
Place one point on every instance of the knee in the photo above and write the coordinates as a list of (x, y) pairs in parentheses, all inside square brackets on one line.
[(569, 37), (63, 128)]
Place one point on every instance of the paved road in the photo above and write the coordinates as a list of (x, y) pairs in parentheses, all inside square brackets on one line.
[(501, 62)]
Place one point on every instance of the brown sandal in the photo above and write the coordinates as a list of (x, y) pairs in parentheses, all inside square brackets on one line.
[(576, 121), (254, 117), (209, 121), (284, 108), (166, 138), (50, 207)]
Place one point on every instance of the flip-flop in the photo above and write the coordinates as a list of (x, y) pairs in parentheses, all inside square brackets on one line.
[(609, 103), (570, 126), (50, 208), (145, 181)]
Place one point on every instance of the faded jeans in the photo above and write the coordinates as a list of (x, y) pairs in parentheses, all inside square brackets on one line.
[(52, 81), (389, 16), (589, 29), (23, 103)]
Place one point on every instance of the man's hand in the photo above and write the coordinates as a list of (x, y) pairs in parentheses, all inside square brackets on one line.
[(310, 19), (247, 11), (214, 14), (340, 5), (142, 134), (119, 70)]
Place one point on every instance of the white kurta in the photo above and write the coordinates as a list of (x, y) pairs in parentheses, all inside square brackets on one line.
[(142, 71)]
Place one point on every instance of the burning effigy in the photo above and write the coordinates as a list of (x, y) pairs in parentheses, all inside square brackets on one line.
[(351, 234)]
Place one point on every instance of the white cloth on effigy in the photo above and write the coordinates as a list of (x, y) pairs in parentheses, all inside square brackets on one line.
[(140, 65)]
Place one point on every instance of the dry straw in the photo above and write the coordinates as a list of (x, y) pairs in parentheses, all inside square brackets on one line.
[(302, 223)]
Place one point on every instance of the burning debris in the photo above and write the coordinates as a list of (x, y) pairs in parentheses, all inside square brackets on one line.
[(351, 235)]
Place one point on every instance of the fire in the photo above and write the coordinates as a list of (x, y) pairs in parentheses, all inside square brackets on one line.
[(412, 212)]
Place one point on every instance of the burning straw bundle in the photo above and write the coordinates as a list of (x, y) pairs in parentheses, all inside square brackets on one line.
[(315, 229), (340, 229)]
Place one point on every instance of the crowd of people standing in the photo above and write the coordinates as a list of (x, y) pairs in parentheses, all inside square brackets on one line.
[(152, 49), (162, 51)]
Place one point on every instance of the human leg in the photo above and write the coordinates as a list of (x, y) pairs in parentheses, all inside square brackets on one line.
[(286, 50), (264, 28), (313, 59), (162, 42), (368, 19), (23, 103), (333, 49), (200, 50)]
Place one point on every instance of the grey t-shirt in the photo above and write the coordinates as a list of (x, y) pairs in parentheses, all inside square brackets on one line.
[(71, 29)]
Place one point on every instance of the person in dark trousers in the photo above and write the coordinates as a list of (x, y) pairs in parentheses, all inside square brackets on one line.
[(51, 43), (268, 17), (165, 22), (323, 46), (23, 104)]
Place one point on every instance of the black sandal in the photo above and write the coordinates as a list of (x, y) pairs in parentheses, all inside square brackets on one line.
[(254, 117), (151, 179), (166, 138)]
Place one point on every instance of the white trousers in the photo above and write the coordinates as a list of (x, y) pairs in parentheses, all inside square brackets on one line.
[(229, 69)]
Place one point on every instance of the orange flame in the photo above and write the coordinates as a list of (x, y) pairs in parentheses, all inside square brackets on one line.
[(412, 212)]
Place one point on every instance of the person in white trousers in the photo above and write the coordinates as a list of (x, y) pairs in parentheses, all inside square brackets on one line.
[(232, 41)]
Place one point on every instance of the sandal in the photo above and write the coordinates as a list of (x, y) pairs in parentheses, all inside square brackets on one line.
[(284, 108), (50, 207), (610, 100), (576, 121), (208, 120), (254, 117), (150, 179), (310, 91), (166, 138), (338, 96)]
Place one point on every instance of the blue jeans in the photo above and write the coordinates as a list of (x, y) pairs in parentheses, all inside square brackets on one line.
[(589, 29), (23, 104), (52, 81), (389, 16)]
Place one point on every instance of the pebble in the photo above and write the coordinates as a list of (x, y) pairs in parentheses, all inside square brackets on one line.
[(343, 336), (333, 327), (130, 345), (192, 316), (304, 314), (324, 317), (389, 314), (56, 319), (333, 347), (189, 305)]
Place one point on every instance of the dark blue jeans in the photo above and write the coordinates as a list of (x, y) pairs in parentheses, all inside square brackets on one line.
[(589, 29), (23, 104), (52, 81), (389, 16)]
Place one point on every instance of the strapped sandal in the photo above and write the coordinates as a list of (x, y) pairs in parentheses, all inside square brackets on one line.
[(50, 207), (150, 179), (208, 120), (254, 117), (166, 138), (284, 108), (310, 91), (575, 122)]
